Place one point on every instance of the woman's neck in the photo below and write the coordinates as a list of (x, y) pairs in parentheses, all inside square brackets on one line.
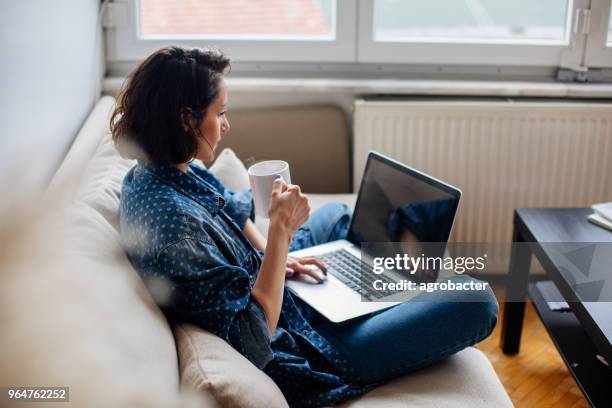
[(182, 166)]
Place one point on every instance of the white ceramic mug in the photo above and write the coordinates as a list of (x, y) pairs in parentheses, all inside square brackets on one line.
[(261, 177)]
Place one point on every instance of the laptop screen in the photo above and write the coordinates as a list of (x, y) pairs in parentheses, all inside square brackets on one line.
[(397, 203)]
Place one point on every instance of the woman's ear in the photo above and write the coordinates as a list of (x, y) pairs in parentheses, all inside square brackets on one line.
[(187, 119)]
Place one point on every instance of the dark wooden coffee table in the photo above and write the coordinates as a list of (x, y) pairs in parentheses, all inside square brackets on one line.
[(579, 335)]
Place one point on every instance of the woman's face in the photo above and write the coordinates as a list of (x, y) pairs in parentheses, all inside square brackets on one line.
[(213, 126)]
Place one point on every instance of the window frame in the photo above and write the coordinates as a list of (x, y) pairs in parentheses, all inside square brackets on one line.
[(124, 43), (597, 53), (498, 53)]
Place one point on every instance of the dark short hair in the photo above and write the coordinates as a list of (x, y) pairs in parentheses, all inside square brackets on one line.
[(157, 100)]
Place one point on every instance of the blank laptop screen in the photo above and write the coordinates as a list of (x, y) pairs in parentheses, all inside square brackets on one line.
[(397, 203)]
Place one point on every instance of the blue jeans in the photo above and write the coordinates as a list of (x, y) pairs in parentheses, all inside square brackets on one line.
[(406, 337)]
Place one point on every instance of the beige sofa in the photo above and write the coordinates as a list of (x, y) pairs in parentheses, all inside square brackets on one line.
[(75, 313)]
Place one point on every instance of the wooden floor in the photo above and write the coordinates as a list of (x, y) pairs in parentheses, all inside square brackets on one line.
[(537, 376)]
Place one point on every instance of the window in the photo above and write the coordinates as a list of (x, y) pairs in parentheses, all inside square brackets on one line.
[(238, 19), (519, 33), (248, 30), (472, 21), (469, 32)]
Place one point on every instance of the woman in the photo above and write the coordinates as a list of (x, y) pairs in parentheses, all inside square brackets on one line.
[(180, 224)]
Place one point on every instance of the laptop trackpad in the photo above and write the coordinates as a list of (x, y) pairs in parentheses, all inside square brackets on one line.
[(331, 298)]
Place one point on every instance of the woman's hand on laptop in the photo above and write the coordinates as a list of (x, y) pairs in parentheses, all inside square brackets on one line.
[(297, 266)]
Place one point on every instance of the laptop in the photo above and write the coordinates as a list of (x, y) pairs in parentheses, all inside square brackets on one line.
[(394, 202)]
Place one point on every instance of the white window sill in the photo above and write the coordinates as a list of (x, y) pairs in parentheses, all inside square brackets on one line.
[(111, 85)]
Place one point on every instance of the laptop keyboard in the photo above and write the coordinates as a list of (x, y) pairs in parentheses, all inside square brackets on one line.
[(347, 269)]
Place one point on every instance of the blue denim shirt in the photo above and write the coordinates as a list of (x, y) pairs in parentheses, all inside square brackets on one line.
[(185, 229)]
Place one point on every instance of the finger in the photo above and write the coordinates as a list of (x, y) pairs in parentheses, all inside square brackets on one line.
[(307, 271), (311, 260), (302, 216), (302, 221), (289, 273), (307, 209), (279, 185), (295, 187), (304, 201)]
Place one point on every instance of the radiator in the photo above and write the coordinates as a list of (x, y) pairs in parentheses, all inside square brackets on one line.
[(502, 155)]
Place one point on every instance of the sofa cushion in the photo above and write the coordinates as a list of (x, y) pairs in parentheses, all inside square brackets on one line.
[(231, 170), (130, 327), (77, 311), (209, 363), (464, 380), (63, 322)]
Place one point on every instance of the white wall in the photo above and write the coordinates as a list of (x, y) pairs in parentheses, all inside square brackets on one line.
[(48, 63)]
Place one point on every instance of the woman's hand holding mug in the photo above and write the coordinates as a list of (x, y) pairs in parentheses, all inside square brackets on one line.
[(289, 208)]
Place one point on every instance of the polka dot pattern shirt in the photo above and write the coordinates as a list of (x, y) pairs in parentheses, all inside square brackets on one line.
[(183, 234)]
